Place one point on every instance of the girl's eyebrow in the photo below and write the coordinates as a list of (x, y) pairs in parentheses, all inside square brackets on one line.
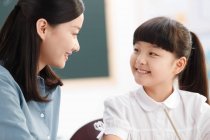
[(155, 46)]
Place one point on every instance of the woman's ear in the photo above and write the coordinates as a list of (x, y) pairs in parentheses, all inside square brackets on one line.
[(180, 64), (41, 27)]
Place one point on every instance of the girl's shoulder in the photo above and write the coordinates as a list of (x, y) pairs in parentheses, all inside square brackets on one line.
[(122, 100), (192, 97), (194, 103)]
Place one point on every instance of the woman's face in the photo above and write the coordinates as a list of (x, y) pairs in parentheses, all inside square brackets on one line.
[(59, 42)]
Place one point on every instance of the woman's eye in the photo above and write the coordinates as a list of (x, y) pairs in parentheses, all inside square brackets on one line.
[(75, 34)]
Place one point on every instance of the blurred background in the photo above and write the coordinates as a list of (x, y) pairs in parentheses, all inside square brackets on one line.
[(101, 69)]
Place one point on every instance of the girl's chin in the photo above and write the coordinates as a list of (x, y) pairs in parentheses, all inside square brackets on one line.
[(140, 81)]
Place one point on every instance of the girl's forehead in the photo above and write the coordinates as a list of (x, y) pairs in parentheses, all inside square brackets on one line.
[(146, 44)]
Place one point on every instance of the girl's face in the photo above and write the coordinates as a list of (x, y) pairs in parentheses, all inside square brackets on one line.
[(152, 66), (59, 42)]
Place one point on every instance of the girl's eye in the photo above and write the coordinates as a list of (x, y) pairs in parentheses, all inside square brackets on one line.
[(153, 54), (135, 50)]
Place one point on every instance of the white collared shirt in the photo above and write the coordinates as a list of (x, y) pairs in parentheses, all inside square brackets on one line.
[(136, 116)]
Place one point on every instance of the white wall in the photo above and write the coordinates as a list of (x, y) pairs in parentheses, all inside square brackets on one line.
[(82, 100)]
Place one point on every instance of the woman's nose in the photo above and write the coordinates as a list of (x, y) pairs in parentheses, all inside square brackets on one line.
[(76, 47)]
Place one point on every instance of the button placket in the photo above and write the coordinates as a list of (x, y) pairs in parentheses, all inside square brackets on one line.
[(42, 115)]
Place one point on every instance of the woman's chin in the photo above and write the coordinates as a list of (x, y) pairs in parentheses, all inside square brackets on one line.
[(60, 66)]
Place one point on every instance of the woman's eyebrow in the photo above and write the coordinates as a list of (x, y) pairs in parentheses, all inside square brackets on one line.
[(77, 27)]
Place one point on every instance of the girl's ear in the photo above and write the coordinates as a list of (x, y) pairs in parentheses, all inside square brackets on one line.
[(180, 64), (41, 27)]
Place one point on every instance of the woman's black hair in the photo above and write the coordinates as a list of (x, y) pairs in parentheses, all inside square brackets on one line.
[(172, 36), (20, 43)]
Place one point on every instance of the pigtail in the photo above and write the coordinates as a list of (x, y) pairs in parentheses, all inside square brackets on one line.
[(194, 77)]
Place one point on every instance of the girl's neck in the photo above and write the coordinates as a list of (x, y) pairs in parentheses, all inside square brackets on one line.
[(159, 93)]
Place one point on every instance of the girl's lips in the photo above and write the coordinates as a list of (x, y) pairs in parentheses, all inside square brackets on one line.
[(142, 71)]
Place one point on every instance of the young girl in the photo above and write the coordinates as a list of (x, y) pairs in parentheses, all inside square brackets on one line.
[(163, 50), (36, 35)]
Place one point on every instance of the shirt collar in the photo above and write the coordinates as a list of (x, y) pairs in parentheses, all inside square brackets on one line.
[(149, 104), (41, 81)]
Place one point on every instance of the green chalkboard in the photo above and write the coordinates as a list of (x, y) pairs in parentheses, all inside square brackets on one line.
[(92, 59), (5, 8)]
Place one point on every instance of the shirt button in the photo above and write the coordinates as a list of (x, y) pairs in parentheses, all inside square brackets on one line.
[(42, 115)]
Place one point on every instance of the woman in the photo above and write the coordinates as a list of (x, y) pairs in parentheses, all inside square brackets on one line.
[(36, 35)]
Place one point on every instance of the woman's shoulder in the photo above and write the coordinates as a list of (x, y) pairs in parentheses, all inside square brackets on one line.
[(7, 81), (5, 75), (3, 71), (10, 91)]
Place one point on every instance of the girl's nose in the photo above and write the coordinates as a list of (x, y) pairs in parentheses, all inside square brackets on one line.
[(141, 60)]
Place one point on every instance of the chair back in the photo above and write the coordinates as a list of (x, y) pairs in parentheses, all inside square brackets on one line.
[(87, 131)]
